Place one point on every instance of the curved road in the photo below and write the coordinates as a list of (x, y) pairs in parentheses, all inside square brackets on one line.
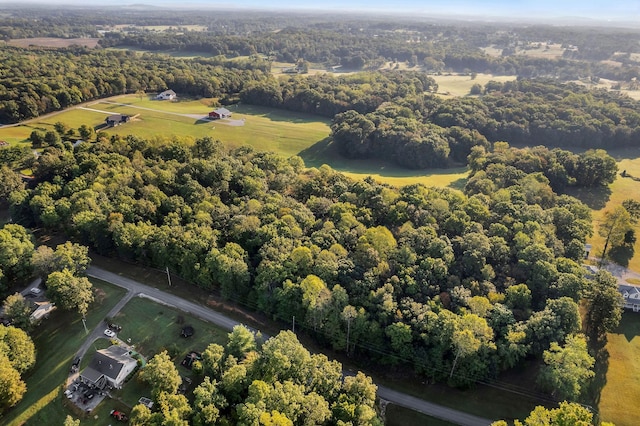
[(141, 290)]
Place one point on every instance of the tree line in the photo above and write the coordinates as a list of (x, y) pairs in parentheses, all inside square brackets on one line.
[(458, 286), (38, 81)]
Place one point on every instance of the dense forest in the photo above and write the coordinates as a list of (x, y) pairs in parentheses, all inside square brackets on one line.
[(458, 286), (249, 382)]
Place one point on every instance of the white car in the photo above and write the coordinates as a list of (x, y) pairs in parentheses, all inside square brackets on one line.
[(35, 291), (109, 333)]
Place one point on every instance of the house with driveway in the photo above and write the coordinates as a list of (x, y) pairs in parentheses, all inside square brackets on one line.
[(109, 368), (219, 113)]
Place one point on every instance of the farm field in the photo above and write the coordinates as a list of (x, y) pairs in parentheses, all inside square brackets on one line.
[(56, 347)]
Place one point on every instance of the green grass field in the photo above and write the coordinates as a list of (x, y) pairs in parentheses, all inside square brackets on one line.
[(603, 199), (57, 340), (265, 129), (622, 383), (460, 85)]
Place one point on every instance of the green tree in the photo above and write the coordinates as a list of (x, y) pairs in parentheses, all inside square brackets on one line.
[(69, 292), (208, 403), (567, 414), (17, 309), (70, 421), (241, 342), (605, 304), (9, 181), (16, 248), (12, 388), (16, 344), (567, 368), (613, 227), (161, 374), (86, 132), (212, 360)]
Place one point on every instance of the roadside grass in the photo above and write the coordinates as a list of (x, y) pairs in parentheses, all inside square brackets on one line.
[(622, 383), (57, 341), (152, 328), (512, 397), (400, 416), (460, 85)]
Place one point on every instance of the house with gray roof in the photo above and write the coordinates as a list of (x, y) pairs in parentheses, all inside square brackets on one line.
[(109, 368), (631, 296)]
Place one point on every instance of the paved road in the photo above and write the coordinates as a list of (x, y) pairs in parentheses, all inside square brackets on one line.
[(141, 290)]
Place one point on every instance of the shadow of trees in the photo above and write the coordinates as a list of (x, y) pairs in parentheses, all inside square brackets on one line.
[(597, 348), (621, 254), (596, 198)]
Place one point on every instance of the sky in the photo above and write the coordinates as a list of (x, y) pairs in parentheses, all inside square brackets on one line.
[(592, 9)]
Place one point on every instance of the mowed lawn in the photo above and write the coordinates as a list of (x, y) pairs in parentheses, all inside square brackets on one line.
[(621, 393), (57, 341)]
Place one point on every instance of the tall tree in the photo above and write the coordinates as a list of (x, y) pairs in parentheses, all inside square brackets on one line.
[(16, 344), (17, 309), (12, 388), (567, 368), (615, 224), (161, 374), (605, 304), (70, 292)]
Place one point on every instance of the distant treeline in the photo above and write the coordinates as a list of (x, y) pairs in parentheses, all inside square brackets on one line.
[(427, 131)]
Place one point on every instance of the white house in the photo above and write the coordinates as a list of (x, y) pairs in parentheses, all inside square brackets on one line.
[(109, 367), (41, 310), (167, 95), (631, 296)]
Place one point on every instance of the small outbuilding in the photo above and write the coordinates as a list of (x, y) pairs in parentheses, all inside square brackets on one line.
[(167, 95), (219, 113), (117, 119)]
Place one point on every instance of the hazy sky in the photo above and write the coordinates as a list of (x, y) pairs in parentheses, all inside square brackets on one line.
[(597, 9)]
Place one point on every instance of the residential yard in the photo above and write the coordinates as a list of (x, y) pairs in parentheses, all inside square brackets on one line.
[(57, 341), (152, 328), (621, 390)]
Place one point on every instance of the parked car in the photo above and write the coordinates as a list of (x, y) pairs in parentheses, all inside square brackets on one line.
[(109, 333), (35, 291)]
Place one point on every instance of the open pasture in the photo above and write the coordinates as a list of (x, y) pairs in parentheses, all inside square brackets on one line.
[(265, 129), (456, 85)]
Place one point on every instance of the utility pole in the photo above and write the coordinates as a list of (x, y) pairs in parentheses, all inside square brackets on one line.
[(168, 276), (84, 322), (294, 324)]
